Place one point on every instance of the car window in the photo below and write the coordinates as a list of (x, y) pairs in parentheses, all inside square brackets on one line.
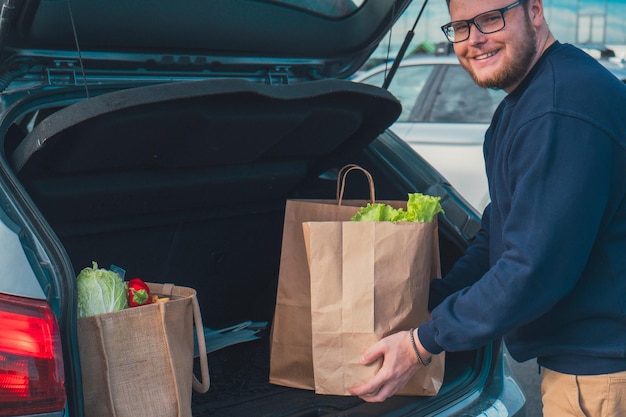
[(407, 85), (460, 100)]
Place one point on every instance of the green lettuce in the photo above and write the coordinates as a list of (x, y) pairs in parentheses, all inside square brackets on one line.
[(423, 208), (377, 212), (419, 208), (100, 291)]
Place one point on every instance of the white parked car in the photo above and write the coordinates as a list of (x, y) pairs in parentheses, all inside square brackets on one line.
[(444, 118)]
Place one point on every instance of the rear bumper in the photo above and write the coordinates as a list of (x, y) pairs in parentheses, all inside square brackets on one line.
[(503, 396)]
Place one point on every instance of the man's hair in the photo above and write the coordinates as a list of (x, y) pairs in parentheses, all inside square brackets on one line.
[(525, 9)]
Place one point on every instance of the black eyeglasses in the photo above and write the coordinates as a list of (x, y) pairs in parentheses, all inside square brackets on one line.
[(487, 22)]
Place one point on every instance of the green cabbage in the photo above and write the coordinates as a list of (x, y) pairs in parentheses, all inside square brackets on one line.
[(100, 291), (419, 208)]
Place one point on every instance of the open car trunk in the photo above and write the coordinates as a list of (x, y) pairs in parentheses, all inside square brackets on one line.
[(187, 182)]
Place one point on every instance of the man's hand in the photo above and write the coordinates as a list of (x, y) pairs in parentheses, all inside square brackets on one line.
[(399, 364)]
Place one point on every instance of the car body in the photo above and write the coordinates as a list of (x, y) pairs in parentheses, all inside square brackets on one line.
[(171, 152)]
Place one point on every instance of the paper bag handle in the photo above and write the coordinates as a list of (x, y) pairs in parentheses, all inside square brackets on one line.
[(341, 181)]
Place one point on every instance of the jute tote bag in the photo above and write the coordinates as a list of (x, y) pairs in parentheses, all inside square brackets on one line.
[(138, 362)]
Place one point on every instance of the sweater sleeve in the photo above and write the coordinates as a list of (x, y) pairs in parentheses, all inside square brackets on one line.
[(467, 270), (557, 170)]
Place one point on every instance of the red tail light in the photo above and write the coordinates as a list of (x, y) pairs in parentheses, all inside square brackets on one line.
[(31, 364)]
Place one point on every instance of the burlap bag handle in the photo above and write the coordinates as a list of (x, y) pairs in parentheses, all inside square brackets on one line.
[(202, 385)]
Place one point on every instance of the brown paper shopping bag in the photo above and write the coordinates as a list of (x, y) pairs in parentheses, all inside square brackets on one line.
[(368, 280), (138, 362), (290, 355)]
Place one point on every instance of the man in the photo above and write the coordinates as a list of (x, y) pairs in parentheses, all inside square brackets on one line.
[(547, 271)]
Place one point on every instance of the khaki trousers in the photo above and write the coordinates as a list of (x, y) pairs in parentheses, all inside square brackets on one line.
[(583, 395)]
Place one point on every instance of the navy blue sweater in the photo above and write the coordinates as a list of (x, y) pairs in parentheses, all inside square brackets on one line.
[(547, 271)]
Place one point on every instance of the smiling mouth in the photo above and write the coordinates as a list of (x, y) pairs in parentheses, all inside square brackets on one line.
[(487, 55)]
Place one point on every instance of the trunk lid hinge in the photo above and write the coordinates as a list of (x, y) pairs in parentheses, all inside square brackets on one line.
[(279, 75)]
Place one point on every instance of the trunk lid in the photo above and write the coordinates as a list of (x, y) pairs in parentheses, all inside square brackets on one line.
[(242, 38)]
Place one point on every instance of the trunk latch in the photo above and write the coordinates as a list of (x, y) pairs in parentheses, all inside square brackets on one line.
[(63, 72), (279, 75)]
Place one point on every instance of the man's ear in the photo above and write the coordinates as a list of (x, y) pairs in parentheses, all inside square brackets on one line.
[(535, 12)]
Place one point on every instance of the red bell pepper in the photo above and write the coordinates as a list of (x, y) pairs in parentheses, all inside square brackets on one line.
[(138, 293)]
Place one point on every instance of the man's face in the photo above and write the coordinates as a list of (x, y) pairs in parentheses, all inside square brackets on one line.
[(501, 59)]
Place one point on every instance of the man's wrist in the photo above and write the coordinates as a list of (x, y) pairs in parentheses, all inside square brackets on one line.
[(423, 359), (426, 338)]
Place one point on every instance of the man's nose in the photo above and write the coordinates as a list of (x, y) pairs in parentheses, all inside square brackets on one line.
[(475, 35)]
